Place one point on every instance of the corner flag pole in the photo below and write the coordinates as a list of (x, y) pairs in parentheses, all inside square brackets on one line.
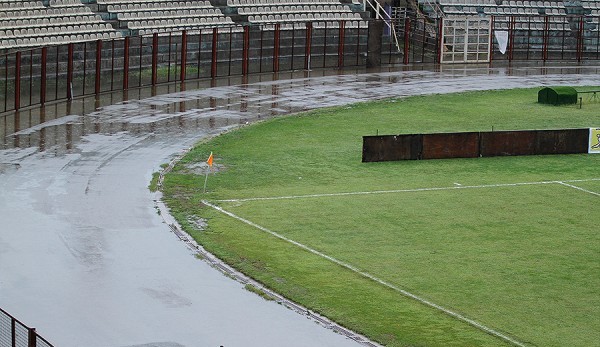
[(209, 161)]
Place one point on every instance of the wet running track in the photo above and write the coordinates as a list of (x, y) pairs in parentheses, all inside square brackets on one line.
[(86, 258)]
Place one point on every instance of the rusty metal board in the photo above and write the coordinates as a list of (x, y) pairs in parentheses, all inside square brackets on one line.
[(500, 143), (568, 141), (451, 145), (391, 147)]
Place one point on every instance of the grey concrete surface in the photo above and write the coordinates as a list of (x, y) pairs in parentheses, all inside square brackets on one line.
[(86, 259)]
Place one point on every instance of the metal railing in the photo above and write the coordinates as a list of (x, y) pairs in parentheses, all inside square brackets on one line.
[(548, 38), (63, 72), (13, 333)]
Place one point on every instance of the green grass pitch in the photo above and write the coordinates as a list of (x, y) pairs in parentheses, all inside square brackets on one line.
[(511, 243)]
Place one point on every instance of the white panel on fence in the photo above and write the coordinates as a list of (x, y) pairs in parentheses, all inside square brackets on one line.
[(466, 40), (502, 39), (594, 140)]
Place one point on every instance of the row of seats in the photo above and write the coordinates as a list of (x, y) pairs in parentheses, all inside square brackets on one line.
[(538, 19), (520, 11), (536, 26), (52, 21), (129, 16), (24, 5), (158, 4), (176, 24), (144, 17), (548, 4), (148, 2), (54, 40), (192, 30), (45, 13), (508, 11), (303, 17), (292, 9), (55, 31), (243, 3), (590, 4), (29, 23), (64, 3), (155, 7), (318, 25)]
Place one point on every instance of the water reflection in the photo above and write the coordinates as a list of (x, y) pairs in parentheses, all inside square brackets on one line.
[(222, 103)]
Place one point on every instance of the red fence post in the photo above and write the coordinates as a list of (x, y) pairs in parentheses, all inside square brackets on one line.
[(215, 42), (491, 39), (126, 63), (154, 58), (98, 66), (342, 38), (183, 55), (276, 47), (246, 47), (32, 338), (18, 81), (511, 38), (13, 330), (545, 39), (43, 76), (405, 60), (440, 44), (308, 46), (70, 72), (341, 44), (580, 39)]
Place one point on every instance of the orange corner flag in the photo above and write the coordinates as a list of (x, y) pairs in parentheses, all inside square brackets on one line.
[(209, 161)]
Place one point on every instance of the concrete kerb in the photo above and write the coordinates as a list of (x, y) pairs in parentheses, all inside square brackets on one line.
[(227, 270)]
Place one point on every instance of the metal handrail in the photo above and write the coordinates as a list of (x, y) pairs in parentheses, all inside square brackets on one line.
[(387, 19)]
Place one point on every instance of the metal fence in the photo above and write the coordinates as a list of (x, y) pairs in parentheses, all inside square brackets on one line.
[(539, 38), (549, 38), (63, 72), (13, 333)]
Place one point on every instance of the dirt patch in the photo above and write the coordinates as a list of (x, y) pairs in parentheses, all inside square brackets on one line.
[(198, 223), (8, 167), (203, 168)]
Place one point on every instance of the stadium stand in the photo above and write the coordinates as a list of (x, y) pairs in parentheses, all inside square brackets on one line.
[(140, 17), (32, 23), (26, 24), (527, 15), (270, 11)]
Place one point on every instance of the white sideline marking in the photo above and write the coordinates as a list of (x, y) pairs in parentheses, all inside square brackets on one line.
[(410, 190), (578, 188), (371, 277)]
